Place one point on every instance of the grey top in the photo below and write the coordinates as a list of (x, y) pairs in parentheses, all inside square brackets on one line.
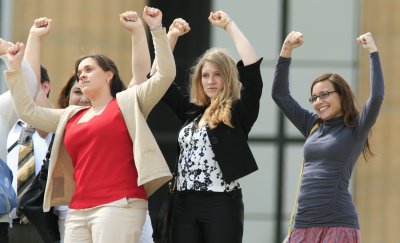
[(330, 153)]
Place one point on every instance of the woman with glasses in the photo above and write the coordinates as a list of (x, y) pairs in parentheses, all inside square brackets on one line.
[(325, 207)]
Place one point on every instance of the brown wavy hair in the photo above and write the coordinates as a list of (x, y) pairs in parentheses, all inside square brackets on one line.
[(63, 98), (219, 109), (347, 103)]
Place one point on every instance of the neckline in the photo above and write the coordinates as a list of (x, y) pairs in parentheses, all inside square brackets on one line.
[(87, 117), (334, 121)]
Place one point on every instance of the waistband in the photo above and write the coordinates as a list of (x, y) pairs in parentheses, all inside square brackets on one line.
[(234, 193)]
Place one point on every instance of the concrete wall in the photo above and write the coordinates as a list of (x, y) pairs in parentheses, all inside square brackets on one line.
[(377, 182), (79, 28)]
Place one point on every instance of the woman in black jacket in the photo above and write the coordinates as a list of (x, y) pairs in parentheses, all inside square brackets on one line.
[(213, 148)]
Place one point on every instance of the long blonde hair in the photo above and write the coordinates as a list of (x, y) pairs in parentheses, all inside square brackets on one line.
[(219, 109)]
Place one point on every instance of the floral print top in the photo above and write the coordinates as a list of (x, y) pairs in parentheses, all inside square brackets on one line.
[(197, 168)]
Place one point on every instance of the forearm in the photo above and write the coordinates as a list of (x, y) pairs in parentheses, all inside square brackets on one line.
[(377, 81), (280, 84), (141, 63), (32, 84), (371, 110), (151, 91), (286, 52), (40, 118), (163, 56), (242, 44), (8, 117), (32, 54), (172, 39)]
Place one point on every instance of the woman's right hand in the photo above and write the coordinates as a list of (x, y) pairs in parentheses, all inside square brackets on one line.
[(293, 40), (41, 27), (152, 17), (15, 54), (4, 45), (178, 28)]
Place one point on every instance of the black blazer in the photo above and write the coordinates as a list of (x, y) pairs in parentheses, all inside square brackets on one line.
[(229, 145)]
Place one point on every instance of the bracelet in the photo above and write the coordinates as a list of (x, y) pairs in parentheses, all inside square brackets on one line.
[(229, 21), (156, 27)]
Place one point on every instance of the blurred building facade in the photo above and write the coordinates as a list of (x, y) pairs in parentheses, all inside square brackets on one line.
[(330, 29)]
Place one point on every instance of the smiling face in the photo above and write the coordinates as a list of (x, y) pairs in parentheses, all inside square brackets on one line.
[(76, 97), (329, 107), (211, 80)]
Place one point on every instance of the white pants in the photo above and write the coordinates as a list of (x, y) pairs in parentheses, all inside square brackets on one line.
[(118, 221), (61, 212), (147, 231)]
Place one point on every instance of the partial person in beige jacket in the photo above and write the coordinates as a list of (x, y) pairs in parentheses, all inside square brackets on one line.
[(105, 161)]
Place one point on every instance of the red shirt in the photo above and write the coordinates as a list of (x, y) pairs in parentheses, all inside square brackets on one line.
[(102, 156)]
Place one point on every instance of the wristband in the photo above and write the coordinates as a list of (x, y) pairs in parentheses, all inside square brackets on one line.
[(156, 27), (229, 21)]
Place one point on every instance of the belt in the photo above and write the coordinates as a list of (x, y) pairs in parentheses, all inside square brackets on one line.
[(20, 221)]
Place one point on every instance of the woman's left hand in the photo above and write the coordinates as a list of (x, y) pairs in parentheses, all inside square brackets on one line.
[(367, 42), (15, 54), (131, 21), (220, 19)]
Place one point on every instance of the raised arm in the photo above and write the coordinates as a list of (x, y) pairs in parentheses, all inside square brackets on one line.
[(140, 50), (41, 27), (150, 92), (243, 46), (300, 117), (371, 109), (377, 86), (45, 119), (32, 84), (293, 40), (178, 28)]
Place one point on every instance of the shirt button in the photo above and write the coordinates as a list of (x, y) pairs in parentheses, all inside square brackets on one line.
[(214, 140)]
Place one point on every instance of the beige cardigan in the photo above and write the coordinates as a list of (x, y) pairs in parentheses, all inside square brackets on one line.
[(135, 104)]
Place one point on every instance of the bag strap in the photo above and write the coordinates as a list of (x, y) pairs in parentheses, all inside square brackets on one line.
[(43, 170), (48, 154), (172, 182), (291, 221)]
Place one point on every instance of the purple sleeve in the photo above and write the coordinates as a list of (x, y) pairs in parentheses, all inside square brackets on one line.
[(300, 117)]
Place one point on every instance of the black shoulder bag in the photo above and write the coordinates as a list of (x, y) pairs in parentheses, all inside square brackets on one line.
[(31, 204), (163, 230)]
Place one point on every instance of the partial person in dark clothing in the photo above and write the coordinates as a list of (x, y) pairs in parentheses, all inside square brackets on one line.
[(325, 207), (213, 149)]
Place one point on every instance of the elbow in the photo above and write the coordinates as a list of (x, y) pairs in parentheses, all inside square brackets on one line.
[(172, 74), (274, 95), (169, 75), (26, 116)]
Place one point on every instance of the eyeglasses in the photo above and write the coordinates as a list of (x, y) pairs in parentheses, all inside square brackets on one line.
[(323, 95)]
